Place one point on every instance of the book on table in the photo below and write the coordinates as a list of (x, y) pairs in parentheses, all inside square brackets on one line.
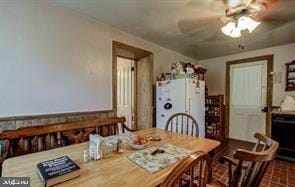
[(57, 170)]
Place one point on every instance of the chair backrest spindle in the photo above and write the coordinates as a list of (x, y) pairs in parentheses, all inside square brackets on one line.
[(187, 124), (197, 165)]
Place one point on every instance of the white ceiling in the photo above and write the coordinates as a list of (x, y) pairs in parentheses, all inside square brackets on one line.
[(191, 27)]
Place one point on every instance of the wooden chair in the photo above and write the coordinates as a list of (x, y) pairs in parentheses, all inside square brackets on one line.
[(197, 165), (183, 123), (250, 166)]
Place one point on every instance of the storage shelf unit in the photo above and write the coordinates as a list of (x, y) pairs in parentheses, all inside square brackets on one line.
[(290, 76), (214, 119)]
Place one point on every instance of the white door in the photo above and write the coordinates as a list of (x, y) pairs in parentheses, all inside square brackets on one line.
[(125, 90), (248, 90)]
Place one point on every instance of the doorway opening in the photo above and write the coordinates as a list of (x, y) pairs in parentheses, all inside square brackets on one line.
[(248, 97), (125, 89), (132, 85)]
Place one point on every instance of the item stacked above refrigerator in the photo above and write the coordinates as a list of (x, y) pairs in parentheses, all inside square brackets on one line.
[(183, 70)]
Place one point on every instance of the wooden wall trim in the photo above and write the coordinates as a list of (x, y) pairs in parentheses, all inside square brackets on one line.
[(152, 88), (137, 54), (269, 59), (56, 115), (60, 127), (269, 96), (114, 76)]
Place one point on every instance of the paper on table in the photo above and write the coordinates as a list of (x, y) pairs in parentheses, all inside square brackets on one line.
[(126, 138), (154, 163)]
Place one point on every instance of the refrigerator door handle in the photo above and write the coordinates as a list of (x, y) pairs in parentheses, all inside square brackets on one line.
[(189, 105)]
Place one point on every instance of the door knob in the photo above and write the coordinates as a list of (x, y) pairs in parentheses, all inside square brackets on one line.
[(264, 109)]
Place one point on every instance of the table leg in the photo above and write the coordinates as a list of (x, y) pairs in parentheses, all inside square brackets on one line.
[(211, 153)]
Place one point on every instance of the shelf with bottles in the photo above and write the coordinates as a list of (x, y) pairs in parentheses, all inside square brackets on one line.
[(214, 120), (212, 100), (213, 128), (212, 110), (290, 76)]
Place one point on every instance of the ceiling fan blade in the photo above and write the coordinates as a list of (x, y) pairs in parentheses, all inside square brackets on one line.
[(279, 17), (268, 26), (207, 34), (250, 2), (273, 29), (189, 26), (236, 3), (278, 10), (216, 6)]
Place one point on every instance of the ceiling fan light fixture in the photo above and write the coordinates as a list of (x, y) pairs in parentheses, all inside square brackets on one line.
[(235, 3), (243, 23), (247, 23), (236, 33), (228, 28), (240, 13), (252, 25)]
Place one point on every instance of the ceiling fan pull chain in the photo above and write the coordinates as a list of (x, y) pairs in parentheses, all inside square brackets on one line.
[(243, 40)]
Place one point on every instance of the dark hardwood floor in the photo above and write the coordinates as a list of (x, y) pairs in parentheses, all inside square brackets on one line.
[(279, 173)]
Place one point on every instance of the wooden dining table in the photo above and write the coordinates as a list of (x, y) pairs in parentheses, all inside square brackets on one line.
[(117, 170)]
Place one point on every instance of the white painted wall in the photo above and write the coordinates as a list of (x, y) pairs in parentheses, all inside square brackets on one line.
[(53, 60), (215, 78)]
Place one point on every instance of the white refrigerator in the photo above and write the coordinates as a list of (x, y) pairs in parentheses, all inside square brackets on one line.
[(181, 96)]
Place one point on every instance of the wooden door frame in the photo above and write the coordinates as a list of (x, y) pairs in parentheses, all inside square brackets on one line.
[(269, 59), (132, 53)]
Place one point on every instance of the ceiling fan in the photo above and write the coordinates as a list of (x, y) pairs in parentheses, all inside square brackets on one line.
[(240, 15), (237, 15), (238, 8)]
